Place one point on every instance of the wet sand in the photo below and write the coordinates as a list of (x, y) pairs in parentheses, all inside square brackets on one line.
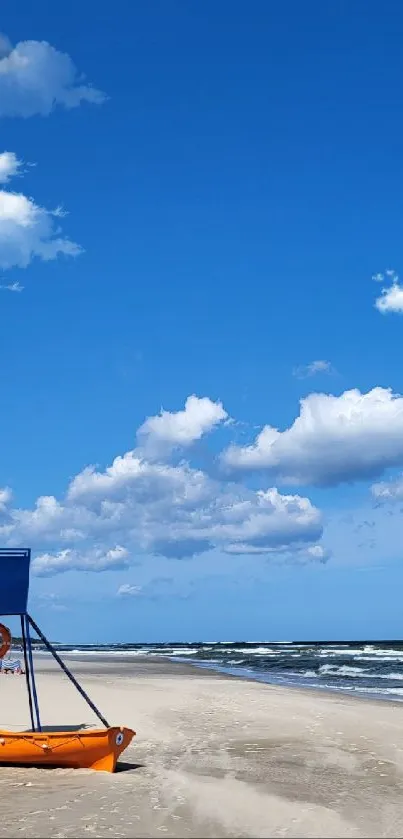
[(214, 756)]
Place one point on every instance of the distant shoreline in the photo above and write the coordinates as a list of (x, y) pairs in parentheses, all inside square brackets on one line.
[(60, 645), (369, 670)]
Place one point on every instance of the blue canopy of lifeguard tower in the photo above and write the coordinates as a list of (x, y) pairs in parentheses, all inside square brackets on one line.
[(14, 574)]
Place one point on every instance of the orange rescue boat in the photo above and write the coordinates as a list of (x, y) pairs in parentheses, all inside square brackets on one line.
[(40, 746), (82, 749)]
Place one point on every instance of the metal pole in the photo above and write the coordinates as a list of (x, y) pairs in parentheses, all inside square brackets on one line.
[(66, 670), (31, 667), (26, 665)]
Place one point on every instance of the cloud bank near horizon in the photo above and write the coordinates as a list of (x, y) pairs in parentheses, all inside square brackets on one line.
[(139, 506), (144, 504)]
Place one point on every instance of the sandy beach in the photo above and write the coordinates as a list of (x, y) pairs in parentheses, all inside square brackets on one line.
[(213, 757)]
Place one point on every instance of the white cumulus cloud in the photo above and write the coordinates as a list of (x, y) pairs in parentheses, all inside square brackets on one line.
[(137, 506), (28, 230), (350, 437), (5, 498), (390, 299), (182, 428), (35, 78), (391, 296), (9, 166), (48, 564)]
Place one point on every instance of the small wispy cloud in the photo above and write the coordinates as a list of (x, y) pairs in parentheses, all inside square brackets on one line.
[(12, 287), (51, 601), (158, 588), (313, 369), (128, 590), (60, 212), (391, 490)]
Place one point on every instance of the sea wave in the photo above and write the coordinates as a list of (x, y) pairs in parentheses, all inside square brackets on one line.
[(344, 670), (367, 669)]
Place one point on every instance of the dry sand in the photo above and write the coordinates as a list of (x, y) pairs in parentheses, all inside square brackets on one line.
[(214, 757)]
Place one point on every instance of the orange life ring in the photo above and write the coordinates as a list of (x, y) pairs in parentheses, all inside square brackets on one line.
[(5, 640)]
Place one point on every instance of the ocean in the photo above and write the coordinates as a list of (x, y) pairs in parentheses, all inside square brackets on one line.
[(372, 669)]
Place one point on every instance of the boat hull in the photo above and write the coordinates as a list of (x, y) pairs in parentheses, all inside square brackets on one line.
[(82, 749)]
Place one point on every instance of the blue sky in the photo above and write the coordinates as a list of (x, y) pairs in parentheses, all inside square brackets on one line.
[(190, 224)]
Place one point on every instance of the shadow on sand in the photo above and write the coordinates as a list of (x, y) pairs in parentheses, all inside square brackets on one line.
[(127, 766), (121, 766)]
